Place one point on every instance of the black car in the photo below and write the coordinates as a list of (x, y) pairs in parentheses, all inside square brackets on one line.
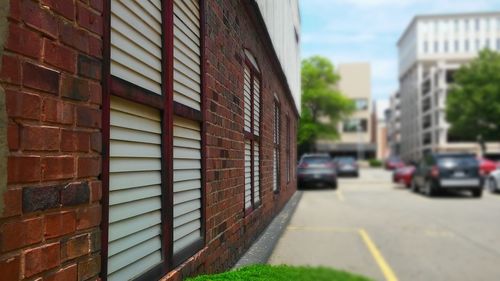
[(346, 166), (442, 172), (316, 169)]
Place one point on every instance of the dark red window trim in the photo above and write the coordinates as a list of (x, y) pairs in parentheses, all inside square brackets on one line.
[(121, 88), (252, 137)]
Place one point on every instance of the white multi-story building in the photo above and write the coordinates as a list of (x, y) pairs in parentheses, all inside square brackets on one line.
[(393, 119), (430, 50)]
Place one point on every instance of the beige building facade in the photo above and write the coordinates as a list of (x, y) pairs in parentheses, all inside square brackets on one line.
[(356, 131)]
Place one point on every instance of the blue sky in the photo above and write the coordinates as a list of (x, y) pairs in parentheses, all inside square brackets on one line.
[(367, 30)]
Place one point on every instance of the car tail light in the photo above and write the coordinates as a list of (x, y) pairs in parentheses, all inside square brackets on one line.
[(435, 171)]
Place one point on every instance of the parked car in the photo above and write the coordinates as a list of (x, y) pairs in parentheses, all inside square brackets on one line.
[(393, 163), (316, 169), (493, 180), (346, 166), (441, 172), (486, 166), (403, 175)]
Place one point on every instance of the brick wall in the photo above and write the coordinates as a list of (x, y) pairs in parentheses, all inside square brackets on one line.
[(229, 30), (51, 72)]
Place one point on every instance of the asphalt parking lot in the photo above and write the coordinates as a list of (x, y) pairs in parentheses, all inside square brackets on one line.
[(382, 230)]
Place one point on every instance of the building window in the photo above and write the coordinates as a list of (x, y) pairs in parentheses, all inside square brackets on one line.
[(457, 26), (361, 104), (154, 215), (436, 47), (426, 47), (498, 44), (288, 153), (355, 125), (478, 45), (457, 46), (478, 24), (467, 47), (466, 24), (446, 46), (276, 149), (252, 110)]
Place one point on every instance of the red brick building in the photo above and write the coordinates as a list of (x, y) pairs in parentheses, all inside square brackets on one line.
[(142, 140)]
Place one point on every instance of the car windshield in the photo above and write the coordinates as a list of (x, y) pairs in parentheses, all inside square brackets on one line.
[(446, 160), (316, 160), (346, 160)]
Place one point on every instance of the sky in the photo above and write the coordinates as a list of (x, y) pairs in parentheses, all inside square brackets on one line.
[(368, 30)]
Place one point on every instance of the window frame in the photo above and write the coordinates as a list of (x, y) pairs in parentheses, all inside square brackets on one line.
[(115, 86), (288, 148), (277, 142), (251, 136)]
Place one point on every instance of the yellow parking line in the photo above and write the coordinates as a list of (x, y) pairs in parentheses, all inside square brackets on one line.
[(384, 266), (340, 195)]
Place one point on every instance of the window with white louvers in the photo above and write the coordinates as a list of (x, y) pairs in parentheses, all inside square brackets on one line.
[(136, 43), (276, 152), (187, 183), (187, 78), (251, 106), (134, 234)]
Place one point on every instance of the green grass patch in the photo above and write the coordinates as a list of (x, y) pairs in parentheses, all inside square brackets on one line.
[(375, 163), (282, 273)]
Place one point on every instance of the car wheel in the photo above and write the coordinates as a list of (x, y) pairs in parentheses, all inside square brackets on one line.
[(492, 185), (477, 193), (429, 190), (334, 185)]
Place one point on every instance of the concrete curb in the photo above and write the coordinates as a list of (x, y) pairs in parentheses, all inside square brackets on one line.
[(261, 250)]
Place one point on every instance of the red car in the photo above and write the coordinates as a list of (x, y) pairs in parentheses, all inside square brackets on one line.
[(486, 166), (393, 163), (403, 175)]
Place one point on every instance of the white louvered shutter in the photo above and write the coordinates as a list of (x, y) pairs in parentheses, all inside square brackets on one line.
[(187, 78), (275, 169), (247, 99), (134, 190), (256, 108), (187, 183), (248, 174), (256, 179), (136, 42)]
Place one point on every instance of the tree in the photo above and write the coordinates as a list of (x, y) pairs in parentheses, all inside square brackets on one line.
[(473, 104), (320, 101)]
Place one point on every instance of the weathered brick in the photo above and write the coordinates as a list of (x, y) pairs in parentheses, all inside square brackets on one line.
[(18, 234), (95, 241), (75, 88), (24, 42), (57, 111), (13, 136), (72, 36), (60, 224), (59, 56), (88, 117), (68, 273), (95, 46), (75, 194), (23, 105), (88, 217), (11, 69), (37, 17), (40, 198), (75, 141), (40, 78), (41, 259), (89, 167), (42, 138), (95, 92), (15, 10), (23, 169), (89, 19), (10, 267), (97, 4), (75, 247), (89, 67), (95, 191), (58, 167), (63, 7), (12, 201), (96, 142), (89, 268)]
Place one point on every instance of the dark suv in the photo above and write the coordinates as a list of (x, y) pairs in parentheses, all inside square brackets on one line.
[(441, 172)]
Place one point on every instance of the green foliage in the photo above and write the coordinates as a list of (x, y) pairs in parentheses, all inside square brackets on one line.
[(281, 273), (375, 163), (473, 104), (321, 100)]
